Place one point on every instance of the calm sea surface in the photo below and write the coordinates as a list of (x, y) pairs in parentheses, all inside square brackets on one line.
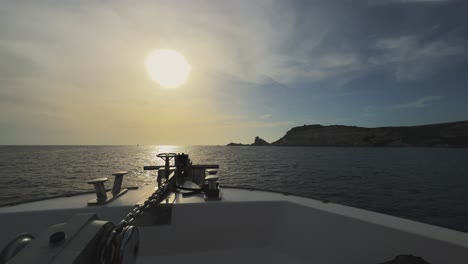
[(427, 185)]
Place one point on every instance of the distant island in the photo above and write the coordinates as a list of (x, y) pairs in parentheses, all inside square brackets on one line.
[(257, 142), (453, 134)]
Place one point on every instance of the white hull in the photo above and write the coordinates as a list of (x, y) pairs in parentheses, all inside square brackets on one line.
[(254, 227)]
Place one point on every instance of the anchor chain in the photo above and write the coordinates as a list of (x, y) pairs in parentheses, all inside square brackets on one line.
[(110, 246)]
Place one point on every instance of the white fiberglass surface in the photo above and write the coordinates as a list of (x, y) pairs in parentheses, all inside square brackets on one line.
[(258, 227), (258, 231), (227, 256)]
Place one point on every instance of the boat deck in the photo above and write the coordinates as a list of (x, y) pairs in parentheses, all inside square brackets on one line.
[(251, 226), (234, 256)]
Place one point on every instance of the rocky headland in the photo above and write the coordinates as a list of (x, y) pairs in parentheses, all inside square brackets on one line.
[(453, 134)]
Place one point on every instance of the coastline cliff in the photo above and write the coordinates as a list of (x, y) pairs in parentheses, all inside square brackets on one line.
[(453, 134)]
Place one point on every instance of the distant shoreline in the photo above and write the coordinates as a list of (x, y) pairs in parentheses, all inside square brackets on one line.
[(442, 135)]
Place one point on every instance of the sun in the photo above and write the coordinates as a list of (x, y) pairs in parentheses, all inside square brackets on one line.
[(168, 68)]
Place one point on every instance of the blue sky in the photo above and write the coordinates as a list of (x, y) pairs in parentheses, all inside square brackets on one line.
[(72, 72)]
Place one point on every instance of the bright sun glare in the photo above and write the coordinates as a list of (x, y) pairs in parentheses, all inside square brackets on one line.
[(168, 68)]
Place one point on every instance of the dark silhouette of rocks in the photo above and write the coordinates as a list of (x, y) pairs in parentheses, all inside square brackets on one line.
[(436, 135), (259, 142), (453, 134), (232, 144)]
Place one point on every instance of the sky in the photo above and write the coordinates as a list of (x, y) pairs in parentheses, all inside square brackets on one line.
[(73, 72)]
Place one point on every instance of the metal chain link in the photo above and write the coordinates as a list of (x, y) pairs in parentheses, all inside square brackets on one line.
[(109, 250)]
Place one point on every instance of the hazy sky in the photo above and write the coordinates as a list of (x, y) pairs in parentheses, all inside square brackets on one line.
[(73, 72)]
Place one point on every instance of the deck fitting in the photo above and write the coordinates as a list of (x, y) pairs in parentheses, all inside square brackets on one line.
[(103, 197)]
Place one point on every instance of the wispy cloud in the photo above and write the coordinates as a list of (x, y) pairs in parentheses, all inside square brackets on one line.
[(273, 44), (265, 116), (405, 1), (416, 58), (418, 103), (419, 1)]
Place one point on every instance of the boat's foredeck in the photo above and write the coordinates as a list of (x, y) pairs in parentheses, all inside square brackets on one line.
[(79, 203), (252, 225), (228, 256)]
